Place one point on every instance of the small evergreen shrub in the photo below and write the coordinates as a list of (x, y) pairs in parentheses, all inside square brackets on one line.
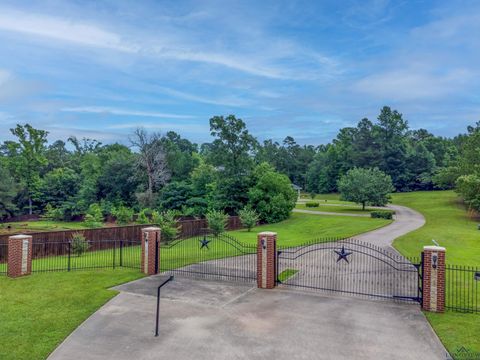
[(248, 217), (217, 221), (51, 213), (79, 244), (382, 214), (312, 204), (144, 216), (167, 222), (94, 217), (123, 214)]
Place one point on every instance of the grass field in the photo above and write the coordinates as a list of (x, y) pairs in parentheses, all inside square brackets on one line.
[(449, 224), (352, 209), (301, 228), (39, 311), (40, 225)]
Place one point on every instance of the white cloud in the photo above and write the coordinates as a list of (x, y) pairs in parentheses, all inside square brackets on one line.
[(124, 112), (195, 128), (412, 84), (273, 60), (62, 29)]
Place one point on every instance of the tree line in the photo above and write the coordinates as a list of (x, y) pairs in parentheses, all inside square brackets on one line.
[(232, 172)]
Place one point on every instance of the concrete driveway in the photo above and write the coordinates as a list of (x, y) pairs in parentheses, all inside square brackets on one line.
[(219, 320)]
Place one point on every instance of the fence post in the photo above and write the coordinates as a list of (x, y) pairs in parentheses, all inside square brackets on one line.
[(433, 278), (69, 266), (266, 259), (150, 250), (114, 252), (19, 255), (121, 253)]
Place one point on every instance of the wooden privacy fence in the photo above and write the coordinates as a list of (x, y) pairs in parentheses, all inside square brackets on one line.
[(98, 237)]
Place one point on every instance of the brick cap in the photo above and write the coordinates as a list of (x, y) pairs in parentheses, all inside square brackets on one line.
[(151, 228), (20, 237), (267, 233), (434, 248)]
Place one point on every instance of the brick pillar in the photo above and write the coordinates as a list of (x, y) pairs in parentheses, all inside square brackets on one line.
[(19, 255), (150, 250), (434, 278), (266, 259)]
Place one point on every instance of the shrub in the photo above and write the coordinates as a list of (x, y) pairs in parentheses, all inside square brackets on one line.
[(94, 217), (217, 221), (248, 217), (51, 213), (272, 195), (123, 214), (144, 216), (382, 214), (167, 223), (312, 195), (312, 204), (79, 245)]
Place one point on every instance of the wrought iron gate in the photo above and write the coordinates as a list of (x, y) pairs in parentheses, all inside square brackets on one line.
[(350, 266), (213, 256)]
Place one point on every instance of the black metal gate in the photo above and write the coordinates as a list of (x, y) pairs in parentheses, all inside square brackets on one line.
[(353, 267), (210, 256)]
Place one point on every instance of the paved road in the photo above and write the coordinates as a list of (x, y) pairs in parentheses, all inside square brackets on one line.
[(406, 220), (205, 320)]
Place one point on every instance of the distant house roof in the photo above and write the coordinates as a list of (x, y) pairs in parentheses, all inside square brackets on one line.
[(296, 187)]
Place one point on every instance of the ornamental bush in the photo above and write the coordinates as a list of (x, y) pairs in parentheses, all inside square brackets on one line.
[(272, 195), (123, 214), (167, 222), (217, 221), (94, 217), (79, 245), (312, 204), (382, 214), (248, 217)]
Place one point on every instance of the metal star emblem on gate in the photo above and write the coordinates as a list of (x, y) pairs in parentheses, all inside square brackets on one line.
[(204, 243), (342, 254)]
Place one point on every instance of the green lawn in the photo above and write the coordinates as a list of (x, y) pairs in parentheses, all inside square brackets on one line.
[(448, 223), (326, 198), (39, 311), (301, 228), (298, 229), (40, 225), (336, 209)]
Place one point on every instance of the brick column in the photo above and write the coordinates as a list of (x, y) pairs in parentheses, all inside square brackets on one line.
[(19, 255), (150, 251), (434, 278), (266, 259)]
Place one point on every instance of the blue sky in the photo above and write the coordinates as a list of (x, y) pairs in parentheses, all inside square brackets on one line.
[(99, 69)]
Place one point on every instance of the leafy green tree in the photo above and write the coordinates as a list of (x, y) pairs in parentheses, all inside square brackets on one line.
[(8, 192), (272, 194), (469, 187), (180, 155), (30, 157), (57, 187), (116, 181), (233, 145), (174, 196), (248, 217), (366, 186)]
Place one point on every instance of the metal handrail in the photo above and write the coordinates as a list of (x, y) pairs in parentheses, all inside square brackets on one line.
[(170, 278)]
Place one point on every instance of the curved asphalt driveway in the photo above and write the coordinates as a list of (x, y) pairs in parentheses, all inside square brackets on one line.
[(406, 220)]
